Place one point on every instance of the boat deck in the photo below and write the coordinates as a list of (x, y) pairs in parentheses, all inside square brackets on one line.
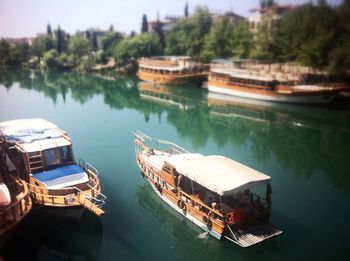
[(253, 235)]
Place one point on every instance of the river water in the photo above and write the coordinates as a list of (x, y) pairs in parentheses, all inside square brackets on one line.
[(306, 151)]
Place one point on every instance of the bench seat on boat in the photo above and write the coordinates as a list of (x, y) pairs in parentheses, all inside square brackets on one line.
[(63, 176)]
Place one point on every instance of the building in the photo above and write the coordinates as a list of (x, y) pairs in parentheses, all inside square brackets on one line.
[(170, 21), (269, 15), (234, 18)]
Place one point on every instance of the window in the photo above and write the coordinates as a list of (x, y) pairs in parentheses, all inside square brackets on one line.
[(51, 157), (66, 154)]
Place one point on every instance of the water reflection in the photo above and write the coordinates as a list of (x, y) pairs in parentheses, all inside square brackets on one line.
[(300, 138)]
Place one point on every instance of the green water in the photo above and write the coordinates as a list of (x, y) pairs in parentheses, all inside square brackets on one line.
[(306, 151)]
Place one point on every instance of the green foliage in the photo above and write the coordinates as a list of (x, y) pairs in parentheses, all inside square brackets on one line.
[(59, 40), (132, 48), (4, 52), (144, 26), (49, 31), (308, 34), (94, 42), (109, 42), (188, 36), (50, 59), (242, 41), (79, 46), (218, 42), (40, 45), (19, 53)]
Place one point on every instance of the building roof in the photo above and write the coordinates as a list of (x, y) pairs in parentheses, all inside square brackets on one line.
[(219, 174), (33, 134)]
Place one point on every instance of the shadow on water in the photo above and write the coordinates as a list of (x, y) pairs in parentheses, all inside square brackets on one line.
[(50, 237)]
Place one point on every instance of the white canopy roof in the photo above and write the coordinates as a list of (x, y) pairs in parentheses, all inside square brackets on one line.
[(33, 134), (219, 174)]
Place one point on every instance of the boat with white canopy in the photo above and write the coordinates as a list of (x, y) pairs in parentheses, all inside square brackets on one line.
[(214, 192), (43, 157)]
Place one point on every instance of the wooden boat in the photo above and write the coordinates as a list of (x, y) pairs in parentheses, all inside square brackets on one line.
[(15, 201), (171, 70), (214, 192), (268, 86), (42, 156)]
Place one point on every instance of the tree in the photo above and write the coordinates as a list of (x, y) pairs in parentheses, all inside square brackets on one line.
[(109, 41), (38, 46), (158, 29), (188, 36), (49, 31), (307, 34), (242, 41), (132, 48), (94, 42), (186, 10), (111, 28), (4, 51), (339, 57), (144, 27), (79, 46), (266, 3), (60, 40), (218, 42)]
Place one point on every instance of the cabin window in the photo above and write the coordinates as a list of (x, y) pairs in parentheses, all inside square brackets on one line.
[(167, 169), (51, 157), (66, 154)]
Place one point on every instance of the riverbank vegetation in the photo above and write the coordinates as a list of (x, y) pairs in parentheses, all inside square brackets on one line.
[(313, 35)]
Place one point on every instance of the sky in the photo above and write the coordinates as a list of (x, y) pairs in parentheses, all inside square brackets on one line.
[(27, 18)]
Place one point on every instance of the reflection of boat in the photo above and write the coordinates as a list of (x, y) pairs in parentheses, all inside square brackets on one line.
[(42, 154), (267, 86), (214, 192), (164, 94), (171, 70), (15, 202)]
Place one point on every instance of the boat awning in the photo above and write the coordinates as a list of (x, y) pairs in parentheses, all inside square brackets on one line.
[(33, 134), (219, 174)]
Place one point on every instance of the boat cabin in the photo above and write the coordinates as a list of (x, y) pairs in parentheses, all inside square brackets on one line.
[(216, 184)]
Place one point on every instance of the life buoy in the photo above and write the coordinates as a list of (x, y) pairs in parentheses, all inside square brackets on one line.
[(181, 204), (158, 187), (207, 221)]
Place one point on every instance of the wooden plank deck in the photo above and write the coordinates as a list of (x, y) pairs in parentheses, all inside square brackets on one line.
[(256, 234)]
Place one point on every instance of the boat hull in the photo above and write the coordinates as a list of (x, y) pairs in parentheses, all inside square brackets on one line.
[(300, 97), (188, 78), (186, 214)]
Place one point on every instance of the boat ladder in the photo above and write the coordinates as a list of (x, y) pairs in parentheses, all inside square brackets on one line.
[(93, 204)]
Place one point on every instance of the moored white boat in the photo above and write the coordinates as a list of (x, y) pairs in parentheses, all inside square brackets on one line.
[(214, 192), (268, 86)]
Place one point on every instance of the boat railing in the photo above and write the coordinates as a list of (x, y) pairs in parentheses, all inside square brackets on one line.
[(9, 215), (66, 195), (87, 166), (172, 148)]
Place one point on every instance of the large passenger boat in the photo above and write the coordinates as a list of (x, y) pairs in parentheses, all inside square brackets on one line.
[(214, 192), (171, 70), (42, 155), (268, 85)]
